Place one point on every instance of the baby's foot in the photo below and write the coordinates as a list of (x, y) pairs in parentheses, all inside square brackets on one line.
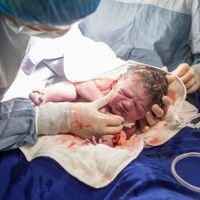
[(37, 97)]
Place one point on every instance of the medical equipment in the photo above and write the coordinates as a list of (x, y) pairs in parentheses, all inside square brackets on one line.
[(177, 176)]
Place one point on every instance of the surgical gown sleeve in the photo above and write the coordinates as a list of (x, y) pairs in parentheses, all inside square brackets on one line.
[(17, 119), (195, 37), (195, 31), (12, 51), (159, 33)]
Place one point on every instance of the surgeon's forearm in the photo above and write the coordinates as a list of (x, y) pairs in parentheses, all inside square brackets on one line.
[(52, 118), (17, 119)]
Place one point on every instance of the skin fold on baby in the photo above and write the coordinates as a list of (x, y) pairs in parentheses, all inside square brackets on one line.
[(134, 93)]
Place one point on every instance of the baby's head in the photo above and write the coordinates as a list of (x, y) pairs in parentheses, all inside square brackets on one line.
[(137, 90)]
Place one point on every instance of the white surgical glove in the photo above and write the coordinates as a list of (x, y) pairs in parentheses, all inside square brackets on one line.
[(82, 119), (190, 76)]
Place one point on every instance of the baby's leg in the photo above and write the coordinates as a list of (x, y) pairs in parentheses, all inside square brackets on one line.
[(58, 92)]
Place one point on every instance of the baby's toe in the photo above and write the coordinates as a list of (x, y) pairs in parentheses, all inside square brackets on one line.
[(37, 97)]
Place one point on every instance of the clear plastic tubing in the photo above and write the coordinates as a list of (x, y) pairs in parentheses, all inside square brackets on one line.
[(175, 174)]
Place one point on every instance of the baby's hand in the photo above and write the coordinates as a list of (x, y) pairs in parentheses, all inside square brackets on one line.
[(188, 77), (107, 140)]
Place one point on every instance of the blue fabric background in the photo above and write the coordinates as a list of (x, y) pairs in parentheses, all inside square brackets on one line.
[(147, 177)]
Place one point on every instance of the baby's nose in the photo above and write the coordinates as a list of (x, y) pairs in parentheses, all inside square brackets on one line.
[(128, 105)]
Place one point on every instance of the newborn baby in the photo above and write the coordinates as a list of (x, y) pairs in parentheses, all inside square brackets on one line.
[(134, 93)]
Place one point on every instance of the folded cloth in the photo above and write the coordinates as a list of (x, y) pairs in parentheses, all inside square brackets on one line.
[(97, 165), (97, 61)]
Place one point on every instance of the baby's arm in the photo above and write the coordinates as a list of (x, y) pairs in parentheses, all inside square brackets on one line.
[(94, 89)]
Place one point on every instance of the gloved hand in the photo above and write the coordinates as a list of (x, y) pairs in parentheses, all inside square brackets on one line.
[(82, 119), (189, 77), (87, 121), (156, 112)]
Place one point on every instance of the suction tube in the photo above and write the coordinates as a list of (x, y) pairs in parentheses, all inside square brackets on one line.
[(177, 177)]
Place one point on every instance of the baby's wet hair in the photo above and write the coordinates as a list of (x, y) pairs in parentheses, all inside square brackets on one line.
[(154, 80)]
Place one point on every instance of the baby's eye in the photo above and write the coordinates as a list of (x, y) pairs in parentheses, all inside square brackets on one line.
[(121, 92), (126, 94)]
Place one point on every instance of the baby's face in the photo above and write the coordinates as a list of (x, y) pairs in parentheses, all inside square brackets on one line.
[(129, 99)]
